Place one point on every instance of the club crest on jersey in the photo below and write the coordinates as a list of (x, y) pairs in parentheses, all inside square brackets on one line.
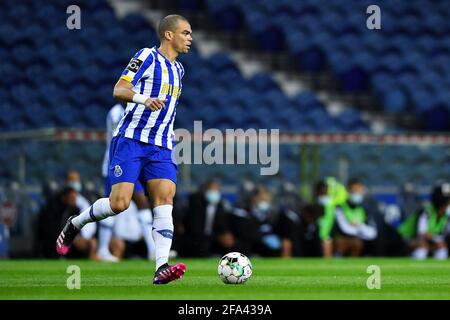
[(118, 171)]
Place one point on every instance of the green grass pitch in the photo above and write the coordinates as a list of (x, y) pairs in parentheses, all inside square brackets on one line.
[(287, 279)]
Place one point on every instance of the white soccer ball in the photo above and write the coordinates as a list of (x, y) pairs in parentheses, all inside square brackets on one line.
[(234, 268)]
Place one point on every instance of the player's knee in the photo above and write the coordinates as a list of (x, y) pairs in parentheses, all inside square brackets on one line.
[(119, 204), (162, 200)]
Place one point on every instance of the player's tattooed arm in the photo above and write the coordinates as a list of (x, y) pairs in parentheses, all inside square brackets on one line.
[(122, 91)]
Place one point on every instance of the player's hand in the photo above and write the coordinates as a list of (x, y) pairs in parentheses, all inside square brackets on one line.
[(155, 104)]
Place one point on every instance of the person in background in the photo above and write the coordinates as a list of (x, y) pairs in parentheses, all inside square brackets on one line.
[(353, 226), (207, 223), (425, 230), (253, 225), (327, 217), (85, 243), (288, 222), (59, 205)]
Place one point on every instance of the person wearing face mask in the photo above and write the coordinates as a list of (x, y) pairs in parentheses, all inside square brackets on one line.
[(73, 180), (51, 216), (306, 228), (424, 231), (86, 242), (254, 224), (206, 223), (353, 227), (327, 218)]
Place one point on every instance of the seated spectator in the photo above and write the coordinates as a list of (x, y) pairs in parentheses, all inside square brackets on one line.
[(85, 244), (253, 226), (51, 218), (300, 231), (290, 205), (127, 241), (353, 226), (326, 206), (424, 231), (207, 223)]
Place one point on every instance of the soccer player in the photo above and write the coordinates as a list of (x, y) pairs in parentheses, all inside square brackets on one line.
[(142, 147), (144, 214)]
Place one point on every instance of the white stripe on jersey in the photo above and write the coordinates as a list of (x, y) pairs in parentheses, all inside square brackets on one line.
[(150, 124), (134, 123)]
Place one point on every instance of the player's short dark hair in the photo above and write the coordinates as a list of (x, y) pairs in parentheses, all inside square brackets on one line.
[(169, 23)]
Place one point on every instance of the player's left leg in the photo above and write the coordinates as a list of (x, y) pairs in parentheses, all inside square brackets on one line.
[(160, 173), (162, 192)]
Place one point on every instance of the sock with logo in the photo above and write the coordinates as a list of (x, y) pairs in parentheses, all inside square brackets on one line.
[(162, 233)]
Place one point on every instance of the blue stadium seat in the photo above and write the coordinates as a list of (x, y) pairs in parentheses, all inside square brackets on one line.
[(262, 82), (227, 16), (395, 101), (219, 62)]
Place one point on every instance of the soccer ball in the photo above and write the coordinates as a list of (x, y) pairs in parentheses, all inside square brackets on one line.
[(234, 268)]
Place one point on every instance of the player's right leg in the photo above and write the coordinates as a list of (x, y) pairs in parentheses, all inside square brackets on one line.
[(123, 171), (118, 201), (162, 192)]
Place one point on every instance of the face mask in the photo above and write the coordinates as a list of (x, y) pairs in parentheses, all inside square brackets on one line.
[(324, 200), (76, 185), (263, 206), (356, 198), (212, 196)]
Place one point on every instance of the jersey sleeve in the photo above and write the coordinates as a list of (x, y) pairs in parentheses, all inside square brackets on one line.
[(137, 66)]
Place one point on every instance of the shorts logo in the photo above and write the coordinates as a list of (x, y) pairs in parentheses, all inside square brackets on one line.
[(117, 171), (134, 65)]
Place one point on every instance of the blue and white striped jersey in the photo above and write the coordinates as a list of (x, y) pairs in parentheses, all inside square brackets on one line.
[(113, 118), (152, 75)]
